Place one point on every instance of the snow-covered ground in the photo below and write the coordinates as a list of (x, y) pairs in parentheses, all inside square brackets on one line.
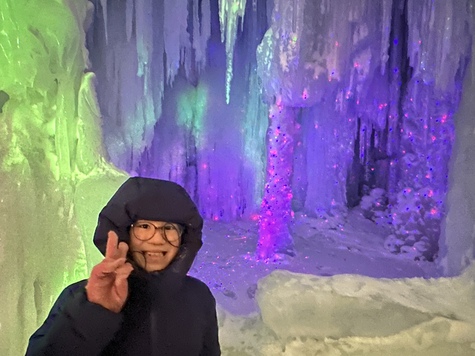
[(342, 294)]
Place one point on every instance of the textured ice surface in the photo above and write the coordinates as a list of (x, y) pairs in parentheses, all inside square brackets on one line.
[(54, 178), (356, 315), (458, 231)]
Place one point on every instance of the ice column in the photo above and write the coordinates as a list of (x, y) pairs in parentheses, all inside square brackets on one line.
[(254, 130), (276, 210), (457, 243), (282, 41)]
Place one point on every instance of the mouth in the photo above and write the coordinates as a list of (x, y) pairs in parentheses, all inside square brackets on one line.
[(155, 254)]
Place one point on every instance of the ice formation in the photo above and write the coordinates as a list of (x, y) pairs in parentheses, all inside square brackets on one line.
[(365, 117), (367, 94), (231, 13)]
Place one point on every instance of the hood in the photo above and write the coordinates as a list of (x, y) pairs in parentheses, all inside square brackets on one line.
[(152, 199)]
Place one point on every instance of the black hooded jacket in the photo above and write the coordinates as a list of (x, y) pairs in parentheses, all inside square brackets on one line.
[(166, 313)]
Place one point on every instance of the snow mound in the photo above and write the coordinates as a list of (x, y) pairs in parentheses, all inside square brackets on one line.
[(303, 314)]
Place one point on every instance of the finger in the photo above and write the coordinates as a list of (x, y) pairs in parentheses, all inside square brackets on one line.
[(124, 270), (107, 267), (111, 247), (122, 275), (122, 250), (121, 286)]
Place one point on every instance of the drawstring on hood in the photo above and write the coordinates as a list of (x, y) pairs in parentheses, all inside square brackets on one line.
[(152, 199)]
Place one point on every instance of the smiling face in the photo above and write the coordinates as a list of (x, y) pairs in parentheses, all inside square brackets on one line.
[(154, 244)]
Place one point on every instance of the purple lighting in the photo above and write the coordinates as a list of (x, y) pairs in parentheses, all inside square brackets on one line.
[(329, 146), (300, 110), (276, 210)]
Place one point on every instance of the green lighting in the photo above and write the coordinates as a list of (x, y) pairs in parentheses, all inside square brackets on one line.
[(191, 108)]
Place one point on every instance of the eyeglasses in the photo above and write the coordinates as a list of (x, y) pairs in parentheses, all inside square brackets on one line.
[(145, 231)]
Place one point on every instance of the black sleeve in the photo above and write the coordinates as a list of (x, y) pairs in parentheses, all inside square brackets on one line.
[(211, 340), (74, 326)]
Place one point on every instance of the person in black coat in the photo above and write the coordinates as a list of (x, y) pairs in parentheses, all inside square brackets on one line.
[(139, 299)]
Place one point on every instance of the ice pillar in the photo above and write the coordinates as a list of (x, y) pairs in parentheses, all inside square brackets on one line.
[(276, 209), (457, 243)]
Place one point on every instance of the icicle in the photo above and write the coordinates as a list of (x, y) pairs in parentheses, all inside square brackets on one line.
[(229, 13), (196, 32), (290, 31), (144, 108), (385, 31), (201, 32), (104, 14), (129, 13), (438, 43), (186, 60), (144, 37), (175, 35)]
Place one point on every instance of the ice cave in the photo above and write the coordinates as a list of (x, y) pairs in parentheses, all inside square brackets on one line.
[(329, 145)]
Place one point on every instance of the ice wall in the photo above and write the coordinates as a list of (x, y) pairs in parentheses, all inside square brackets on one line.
[(51, 145), (458, 230)]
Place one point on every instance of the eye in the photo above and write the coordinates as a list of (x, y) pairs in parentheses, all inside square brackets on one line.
[(169, 227), (144, 226)]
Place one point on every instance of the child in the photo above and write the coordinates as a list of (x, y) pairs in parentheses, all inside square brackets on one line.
[(138, 300)]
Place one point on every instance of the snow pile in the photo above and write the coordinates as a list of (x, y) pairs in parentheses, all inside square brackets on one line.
[(355, 315)]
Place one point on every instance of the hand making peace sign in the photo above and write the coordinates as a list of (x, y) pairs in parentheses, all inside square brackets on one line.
[(107, 284)]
